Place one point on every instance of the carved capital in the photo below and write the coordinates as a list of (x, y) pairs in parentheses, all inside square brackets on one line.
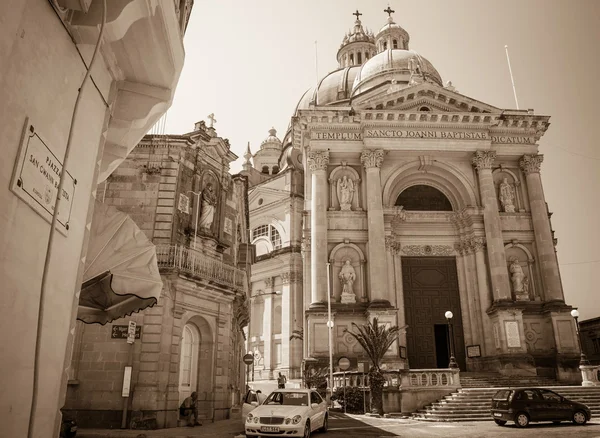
[(531, 163), (459, 248), (285, 277), (305, 245), (478, 243), (372, 158), (318, 160), (392, 245), (483, 159)]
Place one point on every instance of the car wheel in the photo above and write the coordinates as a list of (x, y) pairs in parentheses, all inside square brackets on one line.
[(579, 417), (324, 428), (522, 419), (307, 429), (500, 422)]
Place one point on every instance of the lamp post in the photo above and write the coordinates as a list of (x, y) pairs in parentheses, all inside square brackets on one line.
[(197, 214), (452, 363), (583, 359), (330, 330)]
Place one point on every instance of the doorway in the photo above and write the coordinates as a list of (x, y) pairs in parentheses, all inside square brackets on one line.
[(430, 286), (188, 365), (442, 345)]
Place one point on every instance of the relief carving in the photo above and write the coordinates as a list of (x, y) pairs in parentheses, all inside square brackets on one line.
[(483, 159), (428, 250), (372, 158), (531, 163), (318, 160)]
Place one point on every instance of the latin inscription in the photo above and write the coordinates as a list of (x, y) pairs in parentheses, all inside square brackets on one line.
[(419, 134)]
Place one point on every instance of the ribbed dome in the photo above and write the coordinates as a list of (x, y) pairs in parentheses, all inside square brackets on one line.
[(271, 142), (392, 64)]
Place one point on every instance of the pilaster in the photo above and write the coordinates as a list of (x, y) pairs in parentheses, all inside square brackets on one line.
[(380, 296), (268, 327), (530, 164), (318, 162), (483, 160)]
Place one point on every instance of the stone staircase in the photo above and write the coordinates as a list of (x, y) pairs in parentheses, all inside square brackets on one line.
[(473, 401)]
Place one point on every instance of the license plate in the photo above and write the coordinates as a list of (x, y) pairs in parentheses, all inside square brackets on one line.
[(497, 414), (269, 429)]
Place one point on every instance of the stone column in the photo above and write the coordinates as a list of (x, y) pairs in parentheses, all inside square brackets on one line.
[(286, 320), (485, 297), (268, 328), (541, 227), (318, 161), (372, 160), (482, 160)]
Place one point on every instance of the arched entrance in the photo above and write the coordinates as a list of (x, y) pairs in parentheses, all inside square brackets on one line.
[(188, 363)]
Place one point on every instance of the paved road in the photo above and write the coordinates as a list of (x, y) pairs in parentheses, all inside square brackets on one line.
[(350, 426)]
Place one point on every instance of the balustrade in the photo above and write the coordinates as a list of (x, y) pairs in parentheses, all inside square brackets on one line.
[(200, 265)]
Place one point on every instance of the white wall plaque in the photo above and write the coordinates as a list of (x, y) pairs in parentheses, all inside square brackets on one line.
[(513, 340), (126, 382), (184, 204), (227, 225), (36, 177)]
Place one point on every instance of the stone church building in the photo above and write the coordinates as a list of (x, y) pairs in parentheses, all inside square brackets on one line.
[(179, 192), (417, 200)]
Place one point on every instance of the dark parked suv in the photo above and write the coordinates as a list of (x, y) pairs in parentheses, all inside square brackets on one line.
[(523, 405)]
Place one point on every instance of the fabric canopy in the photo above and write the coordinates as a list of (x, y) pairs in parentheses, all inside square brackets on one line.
[(121, 271)]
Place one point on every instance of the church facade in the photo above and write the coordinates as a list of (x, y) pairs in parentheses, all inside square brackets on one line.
[(419, 200)]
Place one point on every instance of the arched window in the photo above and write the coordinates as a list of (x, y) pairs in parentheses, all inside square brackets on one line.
[(424, 108), (267, 231), (275, 170), (265, 169), (395, 43), (188, 362), (423, 198), (385, 45), (359, 54), (351, 58), (366, 55)]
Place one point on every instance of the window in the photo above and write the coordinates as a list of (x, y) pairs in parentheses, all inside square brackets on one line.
[(315, 398), (550, 396), (424, 108), (268, 231), (395, 43), (359, 57), (423, 198), (385, 45), (275, 170), (265, 169), (366, 55), (351, 59)]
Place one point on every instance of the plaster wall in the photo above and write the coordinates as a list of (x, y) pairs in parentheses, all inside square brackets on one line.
[(40, 74)]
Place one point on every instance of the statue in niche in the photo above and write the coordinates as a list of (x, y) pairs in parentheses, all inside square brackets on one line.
[(345, 192), (414, 66), (517, 276), (347, 276), (526, 285), (507, 196), (209, 202)]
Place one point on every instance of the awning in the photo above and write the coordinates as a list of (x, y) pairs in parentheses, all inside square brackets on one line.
[(121, 272)]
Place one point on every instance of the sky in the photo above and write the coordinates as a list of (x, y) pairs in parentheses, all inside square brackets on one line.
[(249, 62)]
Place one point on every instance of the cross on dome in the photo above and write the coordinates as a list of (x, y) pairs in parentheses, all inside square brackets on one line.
[(389, 11), (212, 119), (358, 14)]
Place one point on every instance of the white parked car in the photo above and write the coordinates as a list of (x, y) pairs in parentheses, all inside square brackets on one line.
[(288, 413)]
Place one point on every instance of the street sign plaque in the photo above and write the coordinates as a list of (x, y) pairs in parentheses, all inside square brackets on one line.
[(248, 358), (344, 363)]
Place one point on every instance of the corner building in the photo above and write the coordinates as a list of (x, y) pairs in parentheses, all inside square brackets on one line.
[(420, 200)]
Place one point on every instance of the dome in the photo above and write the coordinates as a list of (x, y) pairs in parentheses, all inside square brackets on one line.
[(334, 89), (271, 142), (380, 68)]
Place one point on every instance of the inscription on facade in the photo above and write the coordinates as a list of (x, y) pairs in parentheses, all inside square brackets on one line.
[(423, 134), (513, 340)]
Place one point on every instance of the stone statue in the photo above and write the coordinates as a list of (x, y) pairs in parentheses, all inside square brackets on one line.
[(507, 196), (414, 66), (347, 276), (209, 202), (517, 275), (345, 193), (526, 285)]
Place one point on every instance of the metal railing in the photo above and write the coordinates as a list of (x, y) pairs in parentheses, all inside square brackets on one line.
[(200, 265)]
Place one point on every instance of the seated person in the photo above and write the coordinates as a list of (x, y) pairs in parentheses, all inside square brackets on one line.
[(189, 410)]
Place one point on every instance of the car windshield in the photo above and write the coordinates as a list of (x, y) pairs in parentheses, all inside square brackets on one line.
[(502, 395), (287, 399)]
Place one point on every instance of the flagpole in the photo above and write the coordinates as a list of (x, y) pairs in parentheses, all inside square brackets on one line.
[(511, 76)]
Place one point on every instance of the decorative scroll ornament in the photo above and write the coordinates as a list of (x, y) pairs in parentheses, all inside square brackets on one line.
[(484, 159), (478, 243), (372, 158), (428, 250), (318, 160), (392, 245), (531, 163)]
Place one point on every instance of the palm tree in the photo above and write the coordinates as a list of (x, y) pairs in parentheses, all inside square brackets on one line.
[(375, 339)]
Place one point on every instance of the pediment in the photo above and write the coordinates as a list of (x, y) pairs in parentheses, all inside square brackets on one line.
[(268, 196), (431, 96)]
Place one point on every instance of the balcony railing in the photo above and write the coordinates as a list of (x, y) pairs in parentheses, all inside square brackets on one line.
[(201, 266)]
